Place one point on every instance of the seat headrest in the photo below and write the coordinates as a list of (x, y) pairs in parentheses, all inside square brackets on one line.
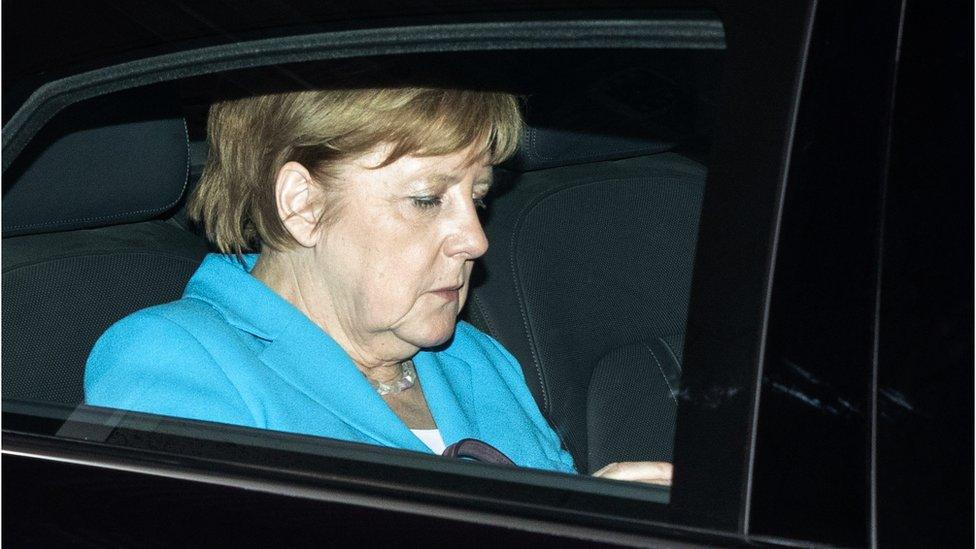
[(118, 159), (542, 148)]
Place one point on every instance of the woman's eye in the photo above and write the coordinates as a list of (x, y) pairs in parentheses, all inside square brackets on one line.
[(426, 202)]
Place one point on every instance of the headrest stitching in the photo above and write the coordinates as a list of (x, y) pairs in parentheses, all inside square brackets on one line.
[(186, 178)]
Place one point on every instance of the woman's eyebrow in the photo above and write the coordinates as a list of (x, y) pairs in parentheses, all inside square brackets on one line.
[(448, 179), (443, 179)]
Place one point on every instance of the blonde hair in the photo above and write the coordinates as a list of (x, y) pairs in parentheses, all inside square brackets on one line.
[(251, 138)]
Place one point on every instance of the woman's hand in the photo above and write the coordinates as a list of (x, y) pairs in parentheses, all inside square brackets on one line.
[(651, 472)]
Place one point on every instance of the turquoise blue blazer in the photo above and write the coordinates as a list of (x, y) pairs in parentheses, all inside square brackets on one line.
[(232, 351)]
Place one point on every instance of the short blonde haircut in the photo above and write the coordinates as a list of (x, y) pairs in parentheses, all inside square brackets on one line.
[(251, 138)]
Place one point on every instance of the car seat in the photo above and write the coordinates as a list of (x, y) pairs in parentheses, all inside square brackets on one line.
[(586, 282), (84, 243)]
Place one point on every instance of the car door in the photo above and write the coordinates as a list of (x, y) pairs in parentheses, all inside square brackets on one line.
[(792, 355)]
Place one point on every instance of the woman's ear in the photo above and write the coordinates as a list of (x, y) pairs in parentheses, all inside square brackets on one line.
[(298, 205)]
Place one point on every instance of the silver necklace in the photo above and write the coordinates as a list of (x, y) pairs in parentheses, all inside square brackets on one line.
[(405, 379)]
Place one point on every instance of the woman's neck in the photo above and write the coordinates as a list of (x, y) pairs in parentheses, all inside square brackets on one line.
[(282, 272)]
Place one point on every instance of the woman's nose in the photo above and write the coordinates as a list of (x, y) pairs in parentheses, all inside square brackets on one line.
[(468, 238)]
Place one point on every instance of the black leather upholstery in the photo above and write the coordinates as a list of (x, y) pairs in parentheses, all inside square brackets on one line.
[(103, 162), (543, 147), (587, 274), (62, 290), (65, 281), (632, 403)]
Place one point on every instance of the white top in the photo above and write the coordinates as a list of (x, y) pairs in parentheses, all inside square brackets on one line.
[(432, 438)]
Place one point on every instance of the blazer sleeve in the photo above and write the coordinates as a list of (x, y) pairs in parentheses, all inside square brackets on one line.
[(149, 363)]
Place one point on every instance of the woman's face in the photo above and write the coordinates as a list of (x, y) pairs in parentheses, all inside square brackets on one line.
[(397, 260)]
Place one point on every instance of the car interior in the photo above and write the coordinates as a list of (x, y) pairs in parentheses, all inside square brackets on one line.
[(592, 229)]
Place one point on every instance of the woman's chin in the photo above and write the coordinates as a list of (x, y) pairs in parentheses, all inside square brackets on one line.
[(431, 335)]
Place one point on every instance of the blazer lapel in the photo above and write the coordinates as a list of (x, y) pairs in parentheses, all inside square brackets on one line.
[(443, 378), (308, 359)]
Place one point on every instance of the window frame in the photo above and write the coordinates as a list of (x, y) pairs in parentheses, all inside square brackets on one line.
[(813, 467)]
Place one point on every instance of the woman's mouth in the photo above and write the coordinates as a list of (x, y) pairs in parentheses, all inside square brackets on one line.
[(448, 294)]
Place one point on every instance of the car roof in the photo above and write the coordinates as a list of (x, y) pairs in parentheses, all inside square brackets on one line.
[(77, 38)]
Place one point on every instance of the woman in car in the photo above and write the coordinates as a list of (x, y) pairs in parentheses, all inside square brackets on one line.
[(362, 205)]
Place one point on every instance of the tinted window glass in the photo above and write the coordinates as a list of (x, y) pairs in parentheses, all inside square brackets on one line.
[(594, 237)]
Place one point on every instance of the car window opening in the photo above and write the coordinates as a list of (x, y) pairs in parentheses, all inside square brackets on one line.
[(573, 268)]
